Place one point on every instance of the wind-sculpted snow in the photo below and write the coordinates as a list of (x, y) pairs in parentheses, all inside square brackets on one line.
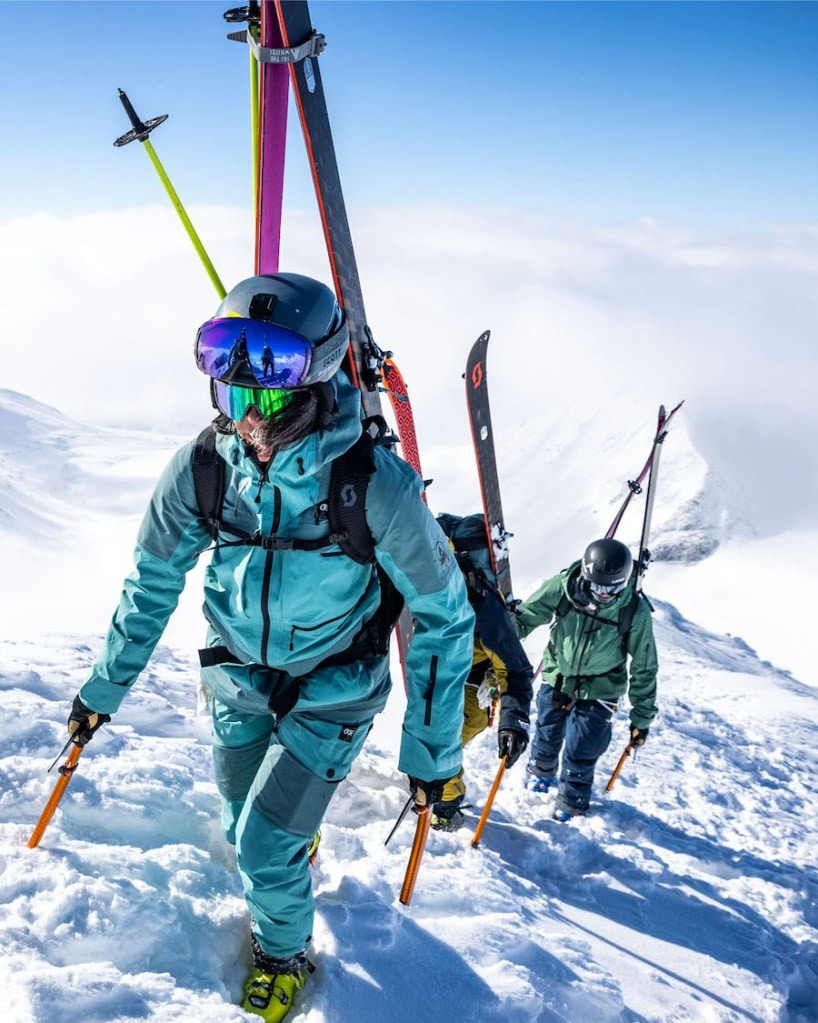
[(687, 894)]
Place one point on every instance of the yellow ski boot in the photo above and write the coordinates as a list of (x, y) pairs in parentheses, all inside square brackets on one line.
[(270, 995), (312, 848)]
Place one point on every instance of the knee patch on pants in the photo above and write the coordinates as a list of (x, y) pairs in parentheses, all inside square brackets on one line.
[(290, 795), (235, 767)]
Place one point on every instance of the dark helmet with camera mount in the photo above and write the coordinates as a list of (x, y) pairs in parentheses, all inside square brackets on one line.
[(272, 334)]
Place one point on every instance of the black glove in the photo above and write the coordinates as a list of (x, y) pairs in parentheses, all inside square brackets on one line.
[(83, 722), (426, 793), (511, 744), (639, 736)]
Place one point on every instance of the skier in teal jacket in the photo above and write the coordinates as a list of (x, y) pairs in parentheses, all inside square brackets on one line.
[(296, 663)]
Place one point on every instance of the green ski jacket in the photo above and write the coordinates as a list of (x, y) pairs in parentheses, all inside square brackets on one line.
[(586, 653)]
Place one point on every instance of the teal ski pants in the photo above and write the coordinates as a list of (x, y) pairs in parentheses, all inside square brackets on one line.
[(276, 779)]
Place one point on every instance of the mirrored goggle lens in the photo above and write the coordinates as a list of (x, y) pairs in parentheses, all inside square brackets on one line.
[(235, 401), (606, 591), (277, 357)]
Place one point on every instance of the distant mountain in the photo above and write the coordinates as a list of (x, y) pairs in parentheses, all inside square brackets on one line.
[(55, 471)]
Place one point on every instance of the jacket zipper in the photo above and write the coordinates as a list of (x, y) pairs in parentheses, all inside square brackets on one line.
[(428, 696), (586, 639), (268, 574)]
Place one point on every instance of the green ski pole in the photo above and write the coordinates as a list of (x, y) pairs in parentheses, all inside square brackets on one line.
[(140, 131), (252, 15)]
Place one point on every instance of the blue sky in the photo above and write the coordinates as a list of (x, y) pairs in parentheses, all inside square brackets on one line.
[(604, 111)]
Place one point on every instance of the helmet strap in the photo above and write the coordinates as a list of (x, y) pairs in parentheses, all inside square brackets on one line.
[(327, 403)]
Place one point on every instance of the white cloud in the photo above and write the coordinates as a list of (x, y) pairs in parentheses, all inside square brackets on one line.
[(590, 323)]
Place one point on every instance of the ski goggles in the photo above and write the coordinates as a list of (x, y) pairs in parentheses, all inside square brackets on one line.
[(276, 356), (606, 592), (236, 401)]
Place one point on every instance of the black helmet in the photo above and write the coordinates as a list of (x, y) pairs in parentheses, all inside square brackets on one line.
[(606, 568), (279, 331)]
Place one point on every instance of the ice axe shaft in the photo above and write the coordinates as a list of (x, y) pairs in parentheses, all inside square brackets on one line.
[(416, 855), (484, 816), (619, 766), (66, 771)]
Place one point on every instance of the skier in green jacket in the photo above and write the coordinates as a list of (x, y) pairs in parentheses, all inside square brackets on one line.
[(600, 647), (296, 661)]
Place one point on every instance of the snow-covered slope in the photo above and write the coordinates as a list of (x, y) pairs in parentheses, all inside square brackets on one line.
[(71, 499), (687, 895)]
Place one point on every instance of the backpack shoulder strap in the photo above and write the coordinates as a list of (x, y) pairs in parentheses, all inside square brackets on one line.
[(351, 473), (563, 607), (349, 480), (350, 477), (208, 479), (627, 613)]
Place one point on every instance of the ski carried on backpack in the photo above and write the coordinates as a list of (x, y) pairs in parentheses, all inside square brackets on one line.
[(642, 559), (651, 467), (269, 89), (367, 366), (284, 46), (635, 485), (304, 44), (398, 394), (477, 402)]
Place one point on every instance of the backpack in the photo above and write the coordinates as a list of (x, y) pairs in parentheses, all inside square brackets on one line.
[(345, 509), (470, 543)]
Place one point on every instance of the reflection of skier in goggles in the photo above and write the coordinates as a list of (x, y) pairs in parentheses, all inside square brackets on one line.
[(296, 663), (238, 350), (267, 361)]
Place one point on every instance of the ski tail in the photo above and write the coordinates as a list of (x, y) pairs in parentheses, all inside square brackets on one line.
[(269, 89)]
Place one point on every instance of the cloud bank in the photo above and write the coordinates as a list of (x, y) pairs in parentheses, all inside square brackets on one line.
[(591, 324)]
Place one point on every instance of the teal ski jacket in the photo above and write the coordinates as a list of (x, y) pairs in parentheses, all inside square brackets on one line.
[(292, 609), (585, 651)]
